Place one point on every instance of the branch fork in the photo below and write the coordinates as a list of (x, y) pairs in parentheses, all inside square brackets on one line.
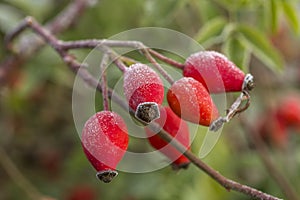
[(62, 48)]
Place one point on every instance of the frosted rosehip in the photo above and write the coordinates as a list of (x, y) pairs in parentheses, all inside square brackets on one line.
[(288, 110), (104, 141), (190, 100), (144, 91), (272, 128), (178, 129), (214, 71)]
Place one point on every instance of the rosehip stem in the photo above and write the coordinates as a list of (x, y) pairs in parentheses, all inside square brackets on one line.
[(103, 66), (166, 59), (157, 66), (231, 112), (235, 108)]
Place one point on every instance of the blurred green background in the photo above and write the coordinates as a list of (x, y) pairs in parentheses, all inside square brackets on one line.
[(36, 124)]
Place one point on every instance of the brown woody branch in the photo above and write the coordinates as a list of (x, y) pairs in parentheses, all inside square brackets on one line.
[(62, 49), (63, 21)]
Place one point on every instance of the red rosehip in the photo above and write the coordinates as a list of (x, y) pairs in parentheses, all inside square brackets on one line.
[(178, 129), (144, 91), (190, 100), (214, 71), (273, 130), (288, 110), (105, 140)]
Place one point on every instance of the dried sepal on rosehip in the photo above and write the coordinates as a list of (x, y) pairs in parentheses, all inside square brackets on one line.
[(178, 129), (190, 100), (105, 140), (144, 91), (216, 72)]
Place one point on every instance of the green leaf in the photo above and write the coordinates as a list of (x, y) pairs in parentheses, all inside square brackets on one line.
[(236, 51), (291, 14), (210, 30), (261, 47), (271, 14), (207, 10)]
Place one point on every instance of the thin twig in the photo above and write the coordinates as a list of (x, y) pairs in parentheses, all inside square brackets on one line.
[(247, 86), (158, 66), (114, 57), (263, 153), (92, 43), (115, 43), (103, 66), (17, 176), (74, 65), (166, 59), (103, 44), (63, 21), (232, 111)]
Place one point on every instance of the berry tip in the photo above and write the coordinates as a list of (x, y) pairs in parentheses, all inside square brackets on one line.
[(106, 175), (248, 83), (147, 112)]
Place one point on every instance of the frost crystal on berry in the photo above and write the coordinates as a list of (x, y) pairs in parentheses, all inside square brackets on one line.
[(214, 71), (144, 91), (104, 141)]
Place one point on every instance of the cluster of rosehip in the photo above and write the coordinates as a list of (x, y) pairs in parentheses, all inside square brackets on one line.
[(105, 137)]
